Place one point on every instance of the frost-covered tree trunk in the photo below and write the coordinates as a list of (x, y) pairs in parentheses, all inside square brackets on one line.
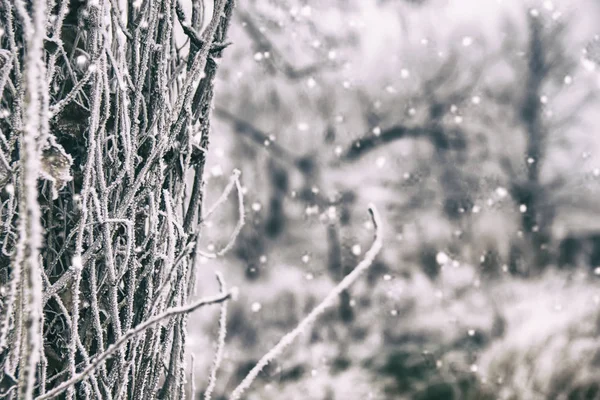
[(105, 114), (104, 127)]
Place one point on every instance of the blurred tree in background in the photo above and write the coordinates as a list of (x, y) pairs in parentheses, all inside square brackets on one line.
[(473, 126)]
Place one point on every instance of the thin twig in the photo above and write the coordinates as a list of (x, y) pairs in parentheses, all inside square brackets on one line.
[(130, 334), (329, 301), (234, 177), (212, 380)]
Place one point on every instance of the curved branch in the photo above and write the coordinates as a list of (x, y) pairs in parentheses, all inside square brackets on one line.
[(369, 142), (318, 310)]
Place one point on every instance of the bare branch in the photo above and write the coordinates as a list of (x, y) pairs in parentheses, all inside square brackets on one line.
[(255, 134), (277, 60), (327, 302), (212, 380), (370, 141), (94, 363)]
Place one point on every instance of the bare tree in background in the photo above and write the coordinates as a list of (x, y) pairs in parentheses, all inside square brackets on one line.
[(545, 65)]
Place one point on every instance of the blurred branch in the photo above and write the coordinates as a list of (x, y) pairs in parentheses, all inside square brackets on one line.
[(572, 116), (438, 104), (276, 60), (303, 164), (445, 71), (256, 135), (448, 75), (370, 141)]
